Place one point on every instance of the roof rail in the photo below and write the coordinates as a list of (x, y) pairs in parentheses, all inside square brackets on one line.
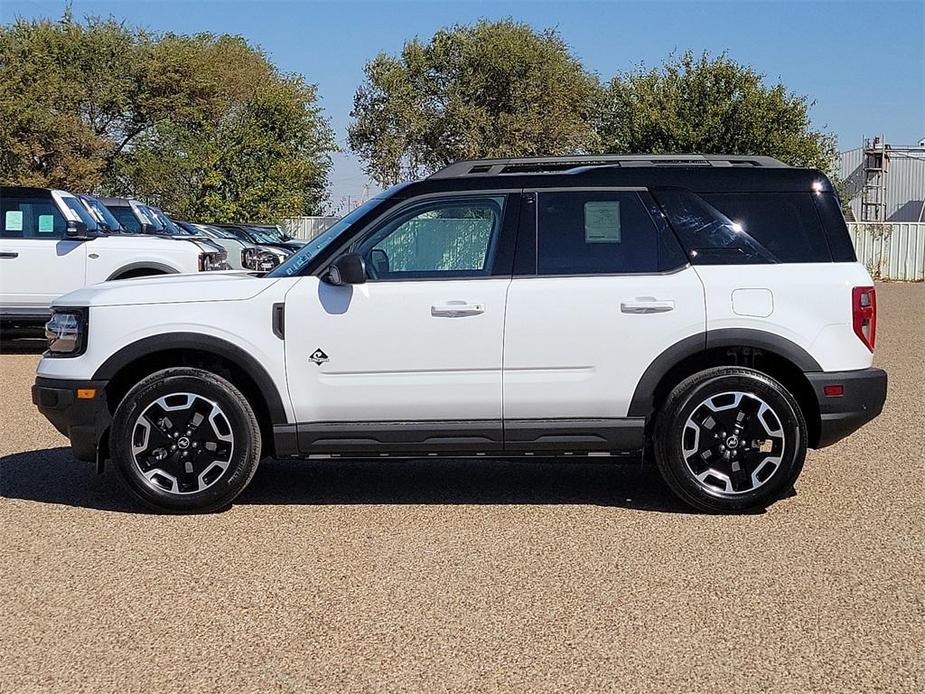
[(581, 162)]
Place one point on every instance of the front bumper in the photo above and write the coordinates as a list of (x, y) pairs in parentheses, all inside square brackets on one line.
[(83, 421), (862, 398)]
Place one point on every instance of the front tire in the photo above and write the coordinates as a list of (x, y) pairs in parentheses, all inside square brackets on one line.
[(730, 439), (185, 440)]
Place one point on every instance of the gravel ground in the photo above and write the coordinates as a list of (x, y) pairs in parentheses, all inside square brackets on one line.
[(437, 576)]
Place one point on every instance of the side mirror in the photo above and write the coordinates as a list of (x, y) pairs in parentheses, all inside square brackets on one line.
[(76, 230), (349, 268), (147, 228)]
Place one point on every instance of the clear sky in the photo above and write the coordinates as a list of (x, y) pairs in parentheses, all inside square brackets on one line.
[(863, 63)]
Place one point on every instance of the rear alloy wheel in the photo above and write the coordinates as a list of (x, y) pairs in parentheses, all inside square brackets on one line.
[(730, 439), (185, 440)]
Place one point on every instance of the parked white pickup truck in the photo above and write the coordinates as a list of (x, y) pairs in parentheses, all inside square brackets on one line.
[(50, 245)]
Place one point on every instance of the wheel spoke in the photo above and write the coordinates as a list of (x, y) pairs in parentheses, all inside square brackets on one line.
[(732, 442), (182, 443)]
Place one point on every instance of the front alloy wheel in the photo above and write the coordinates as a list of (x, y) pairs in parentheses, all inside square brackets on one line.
[(185, 440), (182, 443)]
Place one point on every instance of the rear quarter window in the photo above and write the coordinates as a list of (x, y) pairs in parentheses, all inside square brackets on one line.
[(836, 231), (786, 224)]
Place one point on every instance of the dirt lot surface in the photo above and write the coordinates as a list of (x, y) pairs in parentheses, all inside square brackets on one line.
[(472, 576)]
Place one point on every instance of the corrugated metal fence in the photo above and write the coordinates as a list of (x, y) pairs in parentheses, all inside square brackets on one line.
[(891, 250), (308, 227)]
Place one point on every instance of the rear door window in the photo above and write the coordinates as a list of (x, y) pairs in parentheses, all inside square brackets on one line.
[(591, 232), (786, 224)]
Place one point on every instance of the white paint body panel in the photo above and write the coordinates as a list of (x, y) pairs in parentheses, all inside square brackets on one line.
[(528, 348), (390, 357), (48, 268), (811, 306), (125, 312), (42, 270), (570, 350)]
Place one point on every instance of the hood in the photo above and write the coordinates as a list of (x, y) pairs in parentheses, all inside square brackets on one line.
[(204, 243), (147, 242), (170, 289)]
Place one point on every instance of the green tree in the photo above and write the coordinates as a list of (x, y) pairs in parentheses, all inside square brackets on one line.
[(202, 125), (710, 105), (492, 89)]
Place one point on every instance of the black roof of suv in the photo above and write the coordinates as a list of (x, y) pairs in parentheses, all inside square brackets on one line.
[(695, 172)]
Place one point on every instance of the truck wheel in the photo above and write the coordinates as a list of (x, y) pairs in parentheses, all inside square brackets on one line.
[(729, 439), (185, 440)]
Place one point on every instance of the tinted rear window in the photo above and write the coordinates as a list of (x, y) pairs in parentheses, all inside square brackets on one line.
[(708, 236), (786, 224)]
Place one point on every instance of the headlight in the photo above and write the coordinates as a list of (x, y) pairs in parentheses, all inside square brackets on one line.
[(261, 259), (212, 261), (66, 332)]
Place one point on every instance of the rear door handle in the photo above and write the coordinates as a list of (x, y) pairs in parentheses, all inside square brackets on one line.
[(6, 254), (646, 304), (456, 309)]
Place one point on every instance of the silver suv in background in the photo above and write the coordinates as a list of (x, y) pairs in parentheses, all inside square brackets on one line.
[(243, 254)]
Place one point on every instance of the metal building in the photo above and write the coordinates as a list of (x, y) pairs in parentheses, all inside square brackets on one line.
[(885, 183)]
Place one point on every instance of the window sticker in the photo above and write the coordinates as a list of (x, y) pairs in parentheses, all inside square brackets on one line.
[(602, 222), (13, 221), (46, 223)]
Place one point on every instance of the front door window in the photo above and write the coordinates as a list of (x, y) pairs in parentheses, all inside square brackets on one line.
[(441, 239)]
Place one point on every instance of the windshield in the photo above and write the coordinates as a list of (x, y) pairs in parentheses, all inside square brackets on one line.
[(310, 250), (236, 233), (216, 232), (165, 222), (81, 212), (102, 213), (264, 234), (259, 235), (126, 217)]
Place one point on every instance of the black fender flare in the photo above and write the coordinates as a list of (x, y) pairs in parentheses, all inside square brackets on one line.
[(203, 343), (160, 267), (642, 403)]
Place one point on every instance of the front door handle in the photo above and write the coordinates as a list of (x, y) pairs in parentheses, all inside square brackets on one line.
[(646, 304), (7, 254), (456, 309)]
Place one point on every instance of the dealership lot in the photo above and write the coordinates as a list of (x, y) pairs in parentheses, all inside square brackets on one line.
[(431, 576)]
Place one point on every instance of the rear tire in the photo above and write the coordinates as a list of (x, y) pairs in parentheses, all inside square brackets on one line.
[(730, 439), (185, 440)]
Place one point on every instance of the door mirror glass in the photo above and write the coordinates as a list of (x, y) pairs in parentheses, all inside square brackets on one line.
[(349, 268)]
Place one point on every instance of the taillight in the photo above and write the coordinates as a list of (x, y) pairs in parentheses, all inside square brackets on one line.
[(864, 310)]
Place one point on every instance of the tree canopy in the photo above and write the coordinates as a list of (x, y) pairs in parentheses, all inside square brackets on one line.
[(497, 89), (710, 105), (203, 125), (491, 89)]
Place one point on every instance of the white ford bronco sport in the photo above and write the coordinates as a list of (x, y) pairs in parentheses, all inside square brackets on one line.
[(705, 311), (50, 245)]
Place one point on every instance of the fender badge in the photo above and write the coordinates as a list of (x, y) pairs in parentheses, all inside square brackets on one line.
[(318, 357)]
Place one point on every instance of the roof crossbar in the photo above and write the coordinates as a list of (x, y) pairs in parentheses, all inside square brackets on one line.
[(582, 162)]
